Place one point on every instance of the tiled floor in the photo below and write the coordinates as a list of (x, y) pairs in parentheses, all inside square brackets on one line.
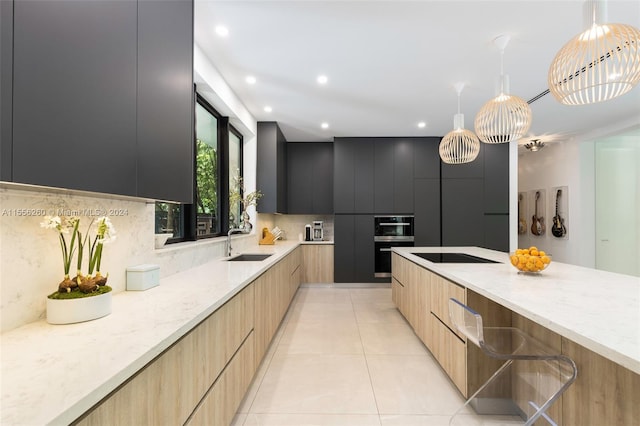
[(345, 356)]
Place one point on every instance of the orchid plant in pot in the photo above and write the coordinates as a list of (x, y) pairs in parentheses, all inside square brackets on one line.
[(82, 286)]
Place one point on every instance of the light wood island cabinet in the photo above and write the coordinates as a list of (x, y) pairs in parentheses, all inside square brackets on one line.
[(202, 378), (605, 393)]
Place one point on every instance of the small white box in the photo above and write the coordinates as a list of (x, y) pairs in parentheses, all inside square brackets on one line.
[(143, 277)]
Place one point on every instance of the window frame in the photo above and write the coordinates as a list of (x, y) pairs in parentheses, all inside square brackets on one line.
[(189, 211)]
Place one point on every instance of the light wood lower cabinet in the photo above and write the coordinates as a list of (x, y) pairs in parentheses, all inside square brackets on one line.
[(274, 291), (604, 393), (451, 353), (202, 378), (317, 263), (220, 404), (168, 389)]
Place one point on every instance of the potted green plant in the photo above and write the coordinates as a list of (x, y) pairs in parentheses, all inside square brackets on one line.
[(237, 196), (83, 297)]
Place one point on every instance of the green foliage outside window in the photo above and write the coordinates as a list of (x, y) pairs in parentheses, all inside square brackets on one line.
[(206, 182)]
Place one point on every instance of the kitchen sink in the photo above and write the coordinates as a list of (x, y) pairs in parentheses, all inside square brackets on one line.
[(247, 257)]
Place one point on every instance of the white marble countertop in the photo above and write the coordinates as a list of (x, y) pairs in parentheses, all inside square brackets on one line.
[(596, 309), (310, 243), (52, 374)]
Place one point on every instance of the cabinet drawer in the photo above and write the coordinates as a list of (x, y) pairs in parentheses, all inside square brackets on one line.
[(221, 402), (441, 291), (451, 353), (398, 295)]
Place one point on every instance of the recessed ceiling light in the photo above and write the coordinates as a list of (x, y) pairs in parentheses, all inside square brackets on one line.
[(267, 108), (422, 124), (222, 31), (250, 79), (322, 79), (325, 125)]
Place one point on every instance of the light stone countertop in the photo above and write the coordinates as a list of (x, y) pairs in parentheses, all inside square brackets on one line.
[(597, 309), (311, 243), (52, 374)]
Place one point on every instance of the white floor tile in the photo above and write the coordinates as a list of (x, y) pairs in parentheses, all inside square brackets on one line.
[(332, 336), (321, 312), (396, 339), (312, 420), (412, 384), (323, 295), (370, 295), (337, 384), (378, 313)]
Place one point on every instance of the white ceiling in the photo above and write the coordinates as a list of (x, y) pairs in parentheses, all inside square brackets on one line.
[(392, 64)]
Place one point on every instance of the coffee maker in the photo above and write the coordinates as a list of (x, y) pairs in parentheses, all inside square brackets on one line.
[(317, 230)]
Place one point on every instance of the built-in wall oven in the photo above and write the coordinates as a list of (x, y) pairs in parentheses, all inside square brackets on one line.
[(390, 231)]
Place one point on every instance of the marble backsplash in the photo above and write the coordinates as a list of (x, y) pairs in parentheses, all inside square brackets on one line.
[(31, 259)]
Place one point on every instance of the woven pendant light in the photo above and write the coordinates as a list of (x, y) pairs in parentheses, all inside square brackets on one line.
[(460, 145), (506, 117), (599, 64)]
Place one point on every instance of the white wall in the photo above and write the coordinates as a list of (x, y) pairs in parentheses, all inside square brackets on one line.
[(30, 258), (571, 164)]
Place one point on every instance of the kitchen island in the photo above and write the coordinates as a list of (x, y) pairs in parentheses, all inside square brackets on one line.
[(593, 316), (175, 345)]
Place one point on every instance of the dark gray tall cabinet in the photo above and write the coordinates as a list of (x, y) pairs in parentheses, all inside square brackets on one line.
[(426, 191), (101, 96), (353, 248), (475, 200), (271, 174)]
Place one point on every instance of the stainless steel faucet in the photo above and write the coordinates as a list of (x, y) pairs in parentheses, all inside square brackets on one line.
[(234, 231)]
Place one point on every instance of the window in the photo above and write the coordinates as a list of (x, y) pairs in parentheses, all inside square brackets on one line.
[(235, 175), (217, 172), (207, 171)]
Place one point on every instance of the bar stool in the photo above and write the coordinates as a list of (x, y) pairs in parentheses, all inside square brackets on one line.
[(523, 388)]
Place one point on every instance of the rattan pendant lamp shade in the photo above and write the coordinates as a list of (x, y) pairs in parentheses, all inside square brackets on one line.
[(599, 64), (460, 145), (506, 117)]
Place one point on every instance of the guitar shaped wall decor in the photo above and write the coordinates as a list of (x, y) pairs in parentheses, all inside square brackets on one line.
[(537, 222), (558, 229), (522, 222)]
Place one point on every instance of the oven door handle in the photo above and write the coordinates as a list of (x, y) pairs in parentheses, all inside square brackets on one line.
[(385, 249), (394, 224)]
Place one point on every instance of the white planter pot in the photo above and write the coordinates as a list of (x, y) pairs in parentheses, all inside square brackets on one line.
[(78, 310)]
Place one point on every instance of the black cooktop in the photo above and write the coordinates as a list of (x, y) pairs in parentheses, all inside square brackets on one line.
[(453, 258)]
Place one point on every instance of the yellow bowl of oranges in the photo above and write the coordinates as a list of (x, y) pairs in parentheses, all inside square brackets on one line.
[(530, 260)]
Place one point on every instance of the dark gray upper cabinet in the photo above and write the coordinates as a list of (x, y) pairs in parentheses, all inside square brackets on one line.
[(403, 175), (383, 176), (101, 96), (353, 184), (310, 177), (496, 178), (426, 159), (472, 170), (364, 170), (165, 107), (271, 168), (6, 89), (343, 176), (375, 175), (462, 212), (74, 95)]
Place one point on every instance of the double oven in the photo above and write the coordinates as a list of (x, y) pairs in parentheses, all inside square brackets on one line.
[(390, 231)]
